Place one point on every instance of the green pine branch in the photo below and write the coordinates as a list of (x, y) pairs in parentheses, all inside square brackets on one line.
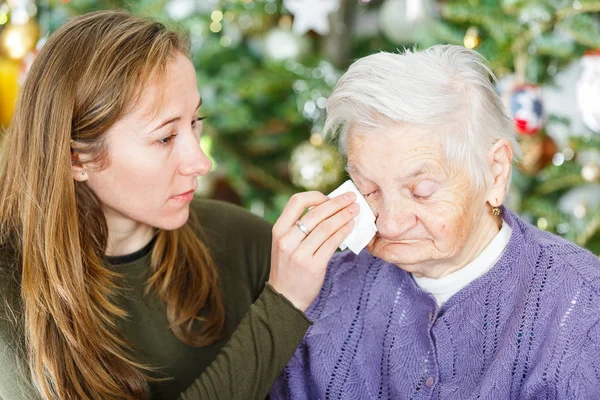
[(590, 229)]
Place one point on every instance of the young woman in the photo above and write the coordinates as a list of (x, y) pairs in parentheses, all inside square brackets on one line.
[(114, 284)]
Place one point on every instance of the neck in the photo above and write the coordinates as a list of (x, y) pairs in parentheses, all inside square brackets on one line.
[(126, 236), (483, 233)]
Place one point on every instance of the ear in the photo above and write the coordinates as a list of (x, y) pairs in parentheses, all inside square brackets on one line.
[(499, 160), (78, 169)]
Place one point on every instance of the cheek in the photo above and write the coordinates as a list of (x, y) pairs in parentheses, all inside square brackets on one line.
[(449, 223), (135, 180)]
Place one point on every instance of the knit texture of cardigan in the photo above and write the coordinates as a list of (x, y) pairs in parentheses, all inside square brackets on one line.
[(527, 329)]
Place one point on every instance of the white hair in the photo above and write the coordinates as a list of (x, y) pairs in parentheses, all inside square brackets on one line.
[(445, 87)]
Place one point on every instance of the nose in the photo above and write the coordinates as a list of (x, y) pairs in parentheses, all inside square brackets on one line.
[(394, 219), (194, 161)]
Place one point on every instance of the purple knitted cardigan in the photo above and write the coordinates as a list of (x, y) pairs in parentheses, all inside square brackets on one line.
[(527, 329)]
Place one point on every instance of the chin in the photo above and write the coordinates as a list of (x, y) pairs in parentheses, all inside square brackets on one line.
[(405, 255), (173, 222)]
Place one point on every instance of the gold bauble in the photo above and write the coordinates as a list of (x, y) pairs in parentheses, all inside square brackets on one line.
[(9, 82), (18, 40), (538, 151), (316, 167), (591, 172), (472, 39)]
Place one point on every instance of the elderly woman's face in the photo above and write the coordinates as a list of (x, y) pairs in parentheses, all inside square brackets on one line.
[(427, 211)]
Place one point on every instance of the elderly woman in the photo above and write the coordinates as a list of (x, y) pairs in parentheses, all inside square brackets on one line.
[(457, 297)]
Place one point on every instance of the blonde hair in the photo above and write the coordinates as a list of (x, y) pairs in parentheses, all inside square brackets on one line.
[(85, 78), (445, 87)]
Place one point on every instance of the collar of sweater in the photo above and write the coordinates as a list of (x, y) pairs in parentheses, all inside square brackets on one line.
[(444, 288)]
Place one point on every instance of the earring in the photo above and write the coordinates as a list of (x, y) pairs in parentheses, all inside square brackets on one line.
[(82, 173), (496, 209)]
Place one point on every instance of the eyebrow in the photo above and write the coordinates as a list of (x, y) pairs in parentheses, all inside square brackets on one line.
[(174, 119), (422, 170)]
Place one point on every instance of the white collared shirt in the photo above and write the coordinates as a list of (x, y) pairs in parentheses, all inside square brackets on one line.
[(444, 288)]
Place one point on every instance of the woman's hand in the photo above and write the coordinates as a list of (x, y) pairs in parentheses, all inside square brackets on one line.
[(299, 259)]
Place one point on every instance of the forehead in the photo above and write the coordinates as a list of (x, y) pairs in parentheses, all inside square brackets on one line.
[(393, 143), (166, 89)]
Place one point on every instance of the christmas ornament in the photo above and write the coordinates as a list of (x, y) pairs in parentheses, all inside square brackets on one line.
[(21, 11), (400, 20), (179, 10), (591, 172), (472, 39), (311, 14), (588, 91), (527, 109), (579, 201), (315, 167), (538, 151), (282, 44), (9, 82), (17, 40)]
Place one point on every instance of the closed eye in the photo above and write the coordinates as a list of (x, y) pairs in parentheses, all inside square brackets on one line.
[(416, 196), (367, 195), (424, 190)]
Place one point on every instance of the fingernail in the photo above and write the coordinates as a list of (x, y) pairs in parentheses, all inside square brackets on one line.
[(354, 208), (349, 195)]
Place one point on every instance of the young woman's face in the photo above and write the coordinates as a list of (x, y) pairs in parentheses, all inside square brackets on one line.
[(154, 159)]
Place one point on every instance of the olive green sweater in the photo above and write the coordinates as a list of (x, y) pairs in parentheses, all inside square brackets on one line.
[(262, 328)]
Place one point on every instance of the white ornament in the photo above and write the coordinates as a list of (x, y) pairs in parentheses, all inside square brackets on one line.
[(401, 20), (180, 9), (581, 200), (588, 91), (20, 11), (281, 44), (311, 14)]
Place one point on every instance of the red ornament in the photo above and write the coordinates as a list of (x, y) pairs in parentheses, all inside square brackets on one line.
[(526, 108)]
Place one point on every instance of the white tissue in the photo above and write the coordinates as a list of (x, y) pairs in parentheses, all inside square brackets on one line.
[(364, 223)]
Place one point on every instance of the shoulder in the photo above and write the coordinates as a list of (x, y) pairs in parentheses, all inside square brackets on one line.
[(565, 257), (229, 220), (239, 241), (571, 276)]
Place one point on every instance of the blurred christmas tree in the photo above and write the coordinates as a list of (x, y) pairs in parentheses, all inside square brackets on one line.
[(266, 67)]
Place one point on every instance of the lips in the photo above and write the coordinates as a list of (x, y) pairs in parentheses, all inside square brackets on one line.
[(402, 241), (184, 197), (184, 193)]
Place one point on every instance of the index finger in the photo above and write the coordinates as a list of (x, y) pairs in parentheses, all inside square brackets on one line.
[(295, 207)]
